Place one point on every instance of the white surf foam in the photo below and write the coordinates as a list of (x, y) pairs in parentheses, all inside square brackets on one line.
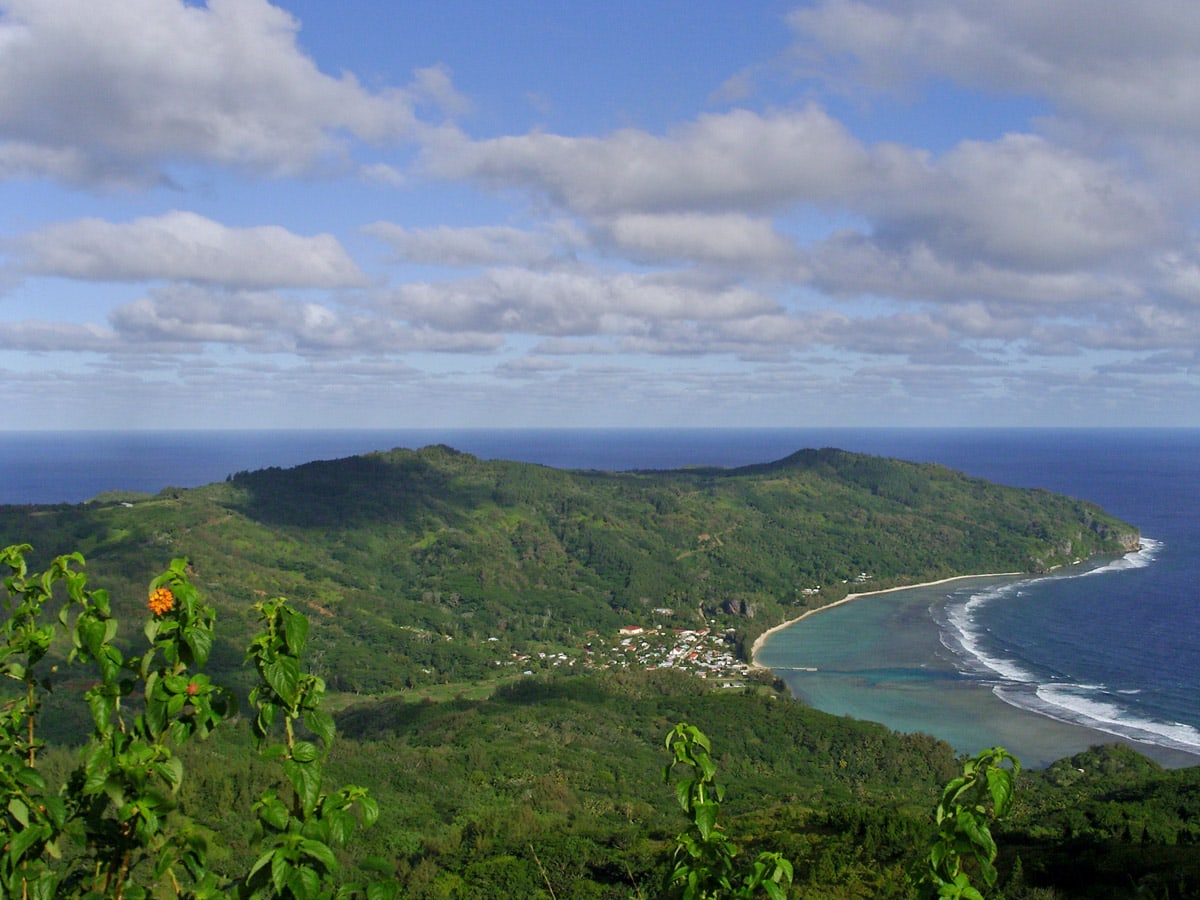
[(1092, 705)]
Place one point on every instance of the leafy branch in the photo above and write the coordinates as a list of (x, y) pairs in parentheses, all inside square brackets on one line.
[(964, 840), (118, 813), (703, 864)]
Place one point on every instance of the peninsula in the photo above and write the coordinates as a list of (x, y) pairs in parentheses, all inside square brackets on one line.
[(448, 567)]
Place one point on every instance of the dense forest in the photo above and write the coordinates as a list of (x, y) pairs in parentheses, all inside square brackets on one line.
[(423, 574)]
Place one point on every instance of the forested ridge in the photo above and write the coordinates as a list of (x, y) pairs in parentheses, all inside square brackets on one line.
[(426, 556), (422, 572)]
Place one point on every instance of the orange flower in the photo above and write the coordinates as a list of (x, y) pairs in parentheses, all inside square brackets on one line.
[(161, 601)]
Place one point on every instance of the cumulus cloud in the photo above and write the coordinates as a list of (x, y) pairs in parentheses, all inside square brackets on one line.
[(195, 315), (729, 238), (705, 193), (522, 301), (849, 263), (112, 91), (1105, 71), (1021, 202), (735, 160), (486, 245), (185, 246), (1131, 66), (794, 238), (267, 322)]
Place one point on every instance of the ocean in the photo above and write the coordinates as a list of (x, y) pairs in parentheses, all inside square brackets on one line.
[(1109, 649)]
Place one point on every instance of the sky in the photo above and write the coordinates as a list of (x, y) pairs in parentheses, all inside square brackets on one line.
[(601, 213)]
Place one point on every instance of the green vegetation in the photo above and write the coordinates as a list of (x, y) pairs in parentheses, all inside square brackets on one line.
[(703, 865), (113, 826), (486, 783), (964, 838), (441, 566)]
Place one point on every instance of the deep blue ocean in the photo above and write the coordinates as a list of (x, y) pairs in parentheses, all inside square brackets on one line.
[(1115, 647)]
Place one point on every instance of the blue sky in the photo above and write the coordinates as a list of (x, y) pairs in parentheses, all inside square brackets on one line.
[(451, 214)]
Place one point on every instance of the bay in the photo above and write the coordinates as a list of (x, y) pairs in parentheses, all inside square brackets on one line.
[(1049, 666)]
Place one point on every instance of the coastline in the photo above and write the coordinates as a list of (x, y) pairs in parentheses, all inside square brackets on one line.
[(762, 638), (889, 674)]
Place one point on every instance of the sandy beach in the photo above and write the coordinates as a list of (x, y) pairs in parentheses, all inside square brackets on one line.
[(762, 638)]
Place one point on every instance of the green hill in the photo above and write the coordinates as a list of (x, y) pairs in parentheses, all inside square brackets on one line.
[(446, 565)]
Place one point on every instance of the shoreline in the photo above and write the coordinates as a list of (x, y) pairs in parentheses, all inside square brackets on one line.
[(762, 638), (966, 715)]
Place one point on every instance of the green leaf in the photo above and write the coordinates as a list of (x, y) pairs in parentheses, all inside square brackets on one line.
[(319, 852), (89, 634), (341, 826), (283, 676), (274, 813), (23, 840), (304, 883), (199, 641), (260, 862), (30, 778), (295, 630), (172, 772), (1000, 786), (304, 752), (706, 818), (156, 716), (370, 810), (321, 724), (306, 779), (19, 811), (977, 832), (281, 867), (101, 708), (56, 811), (683, 793)]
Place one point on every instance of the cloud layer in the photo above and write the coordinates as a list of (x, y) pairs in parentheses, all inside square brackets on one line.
[(221, 203)]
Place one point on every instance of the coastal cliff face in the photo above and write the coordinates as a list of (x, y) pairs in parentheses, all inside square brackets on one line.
[(1130, 540), (1098, 538)]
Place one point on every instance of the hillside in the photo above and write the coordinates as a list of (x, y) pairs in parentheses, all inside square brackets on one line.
[(445, 565)]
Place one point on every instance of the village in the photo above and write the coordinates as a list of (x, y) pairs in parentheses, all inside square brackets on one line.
[(701, 652)]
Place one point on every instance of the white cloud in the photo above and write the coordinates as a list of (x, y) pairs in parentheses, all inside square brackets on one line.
[(1021, 202), (1125, 76), (476, 246), (729, 238), (112, 91), (1018, 203), (1126, 65), (195, 315), (736, 160), (56, 337), (569, 303), (850, 264), (265, 322), (185, 246)]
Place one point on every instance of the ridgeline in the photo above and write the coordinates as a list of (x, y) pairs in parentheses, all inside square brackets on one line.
[(447, 567)]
